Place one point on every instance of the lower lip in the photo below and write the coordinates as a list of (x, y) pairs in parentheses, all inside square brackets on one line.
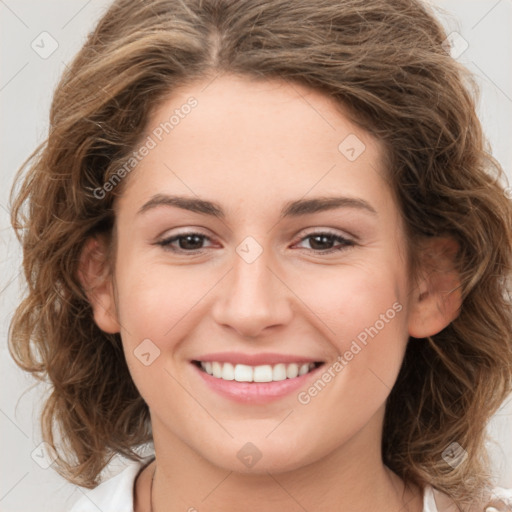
[(255, 392)]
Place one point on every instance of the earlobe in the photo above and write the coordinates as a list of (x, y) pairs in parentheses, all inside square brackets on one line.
[(437, 299), (95, 278)]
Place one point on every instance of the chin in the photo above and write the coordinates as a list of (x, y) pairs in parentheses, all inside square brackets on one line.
[(260, 458)]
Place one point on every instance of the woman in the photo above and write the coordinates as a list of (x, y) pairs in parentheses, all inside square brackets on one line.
[(266, 236)]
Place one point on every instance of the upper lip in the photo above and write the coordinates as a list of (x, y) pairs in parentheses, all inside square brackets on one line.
[(255, 359)]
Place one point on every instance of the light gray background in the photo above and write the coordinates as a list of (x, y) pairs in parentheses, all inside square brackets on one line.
[(26, 84)]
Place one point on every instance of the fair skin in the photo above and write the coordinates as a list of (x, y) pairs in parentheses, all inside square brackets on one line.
[(251, 147)]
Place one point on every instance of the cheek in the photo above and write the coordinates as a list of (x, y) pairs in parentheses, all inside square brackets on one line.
[(154, 299), (366, 321), (351, 299), (368, 329), (156, 305)]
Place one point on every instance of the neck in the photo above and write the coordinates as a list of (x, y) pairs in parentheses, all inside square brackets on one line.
[(351, 478)]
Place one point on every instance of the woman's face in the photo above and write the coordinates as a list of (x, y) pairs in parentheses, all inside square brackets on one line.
[(301, 260)]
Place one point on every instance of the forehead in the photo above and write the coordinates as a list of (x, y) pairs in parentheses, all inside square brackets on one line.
[(260, 114), (255, 138)]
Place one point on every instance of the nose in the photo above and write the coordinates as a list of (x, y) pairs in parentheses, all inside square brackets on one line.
[(252, 297)]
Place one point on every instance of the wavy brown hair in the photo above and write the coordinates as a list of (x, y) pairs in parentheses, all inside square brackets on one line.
[(386, 64)]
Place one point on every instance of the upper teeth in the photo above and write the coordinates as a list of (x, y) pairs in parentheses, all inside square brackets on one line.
[(263, 373)]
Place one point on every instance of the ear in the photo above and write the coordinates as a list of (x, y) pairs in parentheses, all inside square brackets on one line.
[(95, 278), (437, 299)]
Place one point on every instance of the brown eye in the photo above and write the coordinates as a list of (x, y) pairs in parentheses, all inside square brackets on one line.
[(323, 242), (187, 242)]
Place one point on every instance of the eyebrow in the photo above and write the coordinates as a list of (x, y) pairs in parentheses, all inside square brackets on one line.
[(290, 209)]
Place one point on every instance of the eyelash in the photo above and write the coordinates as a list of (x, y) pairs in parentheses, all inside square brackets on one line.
[(346, 243)]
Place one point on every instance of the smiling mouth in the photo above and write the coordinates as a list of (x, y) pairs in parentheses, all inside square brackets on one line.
[(256, 374)]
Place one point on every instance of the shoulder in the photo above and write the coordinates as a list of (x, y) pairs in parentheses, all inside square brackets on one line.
[(436, 501), (501, 500), (114, 494)]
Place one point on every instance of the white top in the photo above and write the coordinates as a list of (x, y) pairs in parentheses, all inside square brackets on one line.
[(116, 493)]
